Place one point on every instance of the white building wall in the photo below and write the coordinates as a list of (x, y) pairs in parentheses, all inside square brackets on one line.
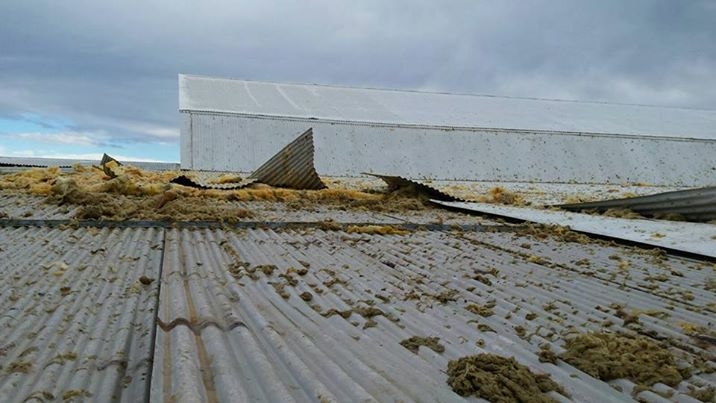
[(219, 141)]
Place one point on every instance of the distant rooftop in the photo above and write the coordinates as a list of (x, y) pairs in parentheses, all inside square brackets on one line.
[(310, 101)]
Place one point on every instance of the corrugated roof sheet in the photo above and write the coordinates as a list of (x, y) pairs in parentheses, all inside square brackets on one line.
[(15, 205), (292, 167), (438, 109), (274, 312), (692, 204), (256, 315), (696, 238), (76, 322)]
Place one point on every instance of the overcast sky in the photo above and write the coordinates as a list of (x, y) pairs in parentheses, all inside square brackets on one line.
[(81, 77)]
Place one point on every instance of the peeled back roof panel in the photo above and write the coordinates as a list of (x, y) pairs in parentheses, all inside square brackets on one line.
[(439, 109)]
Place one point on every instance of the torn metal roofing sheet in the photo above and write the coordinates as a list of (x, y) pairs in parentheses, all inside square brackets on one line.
[(696, 238), (692, 204), (343, 104), (399, 183), (291, 167), (207, 180), (77, 322), (310, 315)]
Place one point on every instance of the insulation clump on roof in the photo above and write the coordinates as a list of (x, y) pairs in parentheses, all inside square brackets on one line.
[(609, 356), (499, 379)]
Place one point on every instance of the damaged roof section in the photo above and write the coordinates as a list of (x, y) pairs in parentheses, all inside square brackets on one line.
[(411, 187), (292, 167), (692, 204), (687, 237), (314, 315)]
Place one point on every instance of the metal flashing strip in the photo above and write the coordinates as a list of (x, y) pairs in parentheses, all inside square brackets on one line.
[(693, 238), (400, 183), (292, 167), (692, 204)]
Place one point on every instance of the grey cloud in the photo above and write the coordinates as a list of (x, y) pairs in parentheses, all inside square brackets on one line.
[(112, 67)]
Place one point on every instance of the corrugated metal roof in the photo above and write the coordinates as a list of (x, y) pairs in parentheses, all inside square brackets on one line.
[(274, 312), (437, 109), (76, 322), (696, 238), (692, 204), (248, 316), (292, 167)]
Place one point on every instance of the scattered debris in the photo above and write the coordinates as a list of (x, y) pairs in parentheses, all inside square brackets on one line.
[(146, 280), (547, 355), (499, 379), (376, 229), (413, 344), (691, 204), (447, 296), (608, 356), (406, 187), (483, 311)]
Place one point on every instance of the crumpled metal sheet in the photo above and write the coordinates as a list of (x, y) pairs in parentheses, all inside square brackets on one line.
[(692, 204), (292, 167), (398, 183), (204, 183)]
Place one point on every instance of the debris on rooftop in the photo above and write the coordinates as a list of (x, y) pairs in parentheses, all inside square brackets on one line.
[(499, 379), (691, 204), (609, 356), (403, 186)]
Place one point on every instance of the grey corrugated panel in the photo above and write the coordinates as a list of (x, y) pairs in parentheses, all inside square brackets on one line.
[(435, 109), (94, 341), (689, 237), (692, 204), (632, 268), (15, 205), (292, 166), (239, 340)]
